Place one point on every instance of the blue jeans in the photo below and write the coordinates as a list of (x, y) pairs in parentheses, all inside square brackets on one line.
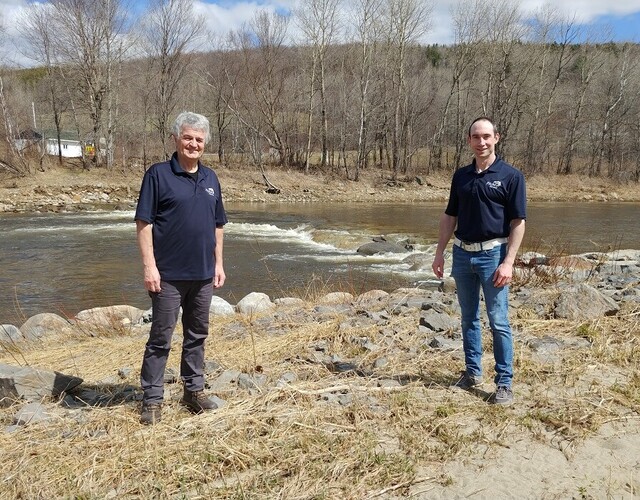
[(472, 271), (195, 299)]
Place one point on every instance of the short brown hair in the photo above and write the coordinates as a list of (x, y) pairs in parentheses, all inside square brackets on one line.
[(483, 119)]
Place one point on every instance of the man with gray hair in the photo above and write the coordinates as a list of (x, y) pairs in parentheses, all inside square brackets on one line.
[(179, 220)]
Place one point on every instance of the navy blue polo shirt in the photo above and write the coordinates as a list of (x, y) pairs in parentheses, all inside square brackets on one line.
[(184, 213), (487, 202)]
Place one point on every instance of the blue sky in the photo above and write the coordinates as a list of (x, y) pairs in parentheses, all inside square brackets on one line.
[(626, 28), (616, 20)]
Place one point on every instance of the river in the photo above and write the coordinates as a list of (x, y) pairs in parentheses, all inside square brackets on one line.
[(64, 263)]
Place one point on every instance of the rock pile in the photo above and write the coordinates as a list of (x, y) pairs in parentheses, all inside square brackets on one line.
[(597, 286)]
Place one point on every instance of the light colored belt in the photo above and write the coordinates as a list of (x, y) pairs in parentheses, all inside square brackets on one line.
[(481, 245)]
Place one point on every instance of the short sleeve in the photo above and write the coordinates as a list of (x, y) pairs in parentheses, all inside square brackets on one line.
[(147, 200)]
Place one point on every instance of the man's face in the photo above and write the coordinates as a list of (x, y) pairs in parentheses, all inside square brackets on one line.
[(483, 139), (190, 144)]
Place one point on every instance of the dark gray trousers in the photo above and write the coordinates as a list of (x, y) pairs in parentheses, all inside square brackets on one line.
[(195, 299)]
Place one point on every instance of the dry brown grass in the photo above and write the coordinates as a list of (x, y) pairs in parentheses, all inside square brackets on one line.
[(580, 389), (289, 442)]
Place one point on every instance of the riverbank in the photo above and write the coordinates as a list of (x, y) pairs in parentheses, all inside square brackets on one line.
[(63, 189), (332, 395)]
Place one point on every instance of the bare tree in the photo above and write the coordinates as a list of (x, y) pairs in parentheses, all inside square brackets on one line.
[(609, 103), (35, 28), (318, 20), (468, 37), (553, 35), (407, 21), (366, 36), (504, 74), (169, 29), (561, 103), (262, 107), (588, 63), (14, 162), (3, 34), (88, 40), (634, 129), (6, 119), (221, 78)]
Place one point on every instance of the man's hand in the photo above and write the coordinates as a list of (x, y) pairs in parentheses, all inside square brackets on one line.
[(151, 278), (438, 266), (219, 277), (446, 227), (503, 275)]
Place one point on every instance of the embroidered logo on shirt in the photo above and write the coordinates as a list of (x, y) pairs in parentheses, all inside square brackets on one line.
[(494, 184), (211, 191)]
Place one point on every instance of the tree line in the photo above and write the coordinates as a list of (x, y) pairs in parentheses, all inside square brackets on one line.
[(328, 87)]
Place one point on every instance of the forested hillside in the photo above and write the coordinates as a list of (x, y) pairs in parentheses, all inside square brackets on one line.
[(353, 90)]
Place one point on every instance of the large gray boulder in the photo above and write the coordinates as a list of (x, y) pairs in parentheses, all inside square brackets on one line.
[(32, 384), (220, 307), (419, 261), (336, 298), (31, 413), (110, 316), (10, 334), (582, 302), (376, 247), (255, 303), (439, 321), (290, 302), (371, 298), (531, 259), (44, 324), (227, 381)]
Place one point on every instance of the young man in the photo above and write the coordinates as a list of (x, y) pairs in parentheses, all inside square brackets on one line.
[(486, 213), (179, 220)]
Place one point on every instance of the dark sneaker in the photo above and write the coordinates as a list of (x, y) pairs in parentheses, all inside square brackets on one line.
[(197, 401), (503, 396), (468, 382), (151, 413)]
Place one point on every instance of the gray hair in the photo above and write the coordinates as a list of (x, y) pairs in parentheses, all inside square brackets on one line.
[(192, 120)]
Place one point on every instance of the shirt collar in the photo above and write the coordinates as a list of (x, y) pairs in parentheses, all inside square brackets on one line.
[(177, 169), (494, 167)]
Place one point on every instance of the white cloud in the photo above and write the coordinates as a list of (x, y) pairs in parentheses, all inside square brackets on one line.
[(583, 11), (11, 48), (231, 15), (588, 10), (224, 16), (221, 18), (10, 12)]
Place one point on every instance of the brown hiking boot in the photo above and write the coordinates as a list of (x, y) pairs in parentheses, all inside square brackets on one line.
[(197, 401), (151, 413)]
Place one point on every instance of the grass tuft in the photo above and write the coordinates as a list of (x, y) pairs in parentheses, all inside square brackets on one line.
[(327, 434)]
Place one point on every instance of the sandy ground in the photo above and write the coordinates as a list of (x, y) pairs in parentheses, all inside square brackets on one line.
[(604, 466)]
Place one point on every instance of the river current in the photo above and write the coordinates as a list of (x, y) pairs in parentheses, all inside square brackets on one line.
[(64, 263)]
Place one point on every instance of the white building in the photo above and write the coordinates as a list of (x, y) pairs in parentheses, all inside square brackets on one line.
[(70, 148)]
